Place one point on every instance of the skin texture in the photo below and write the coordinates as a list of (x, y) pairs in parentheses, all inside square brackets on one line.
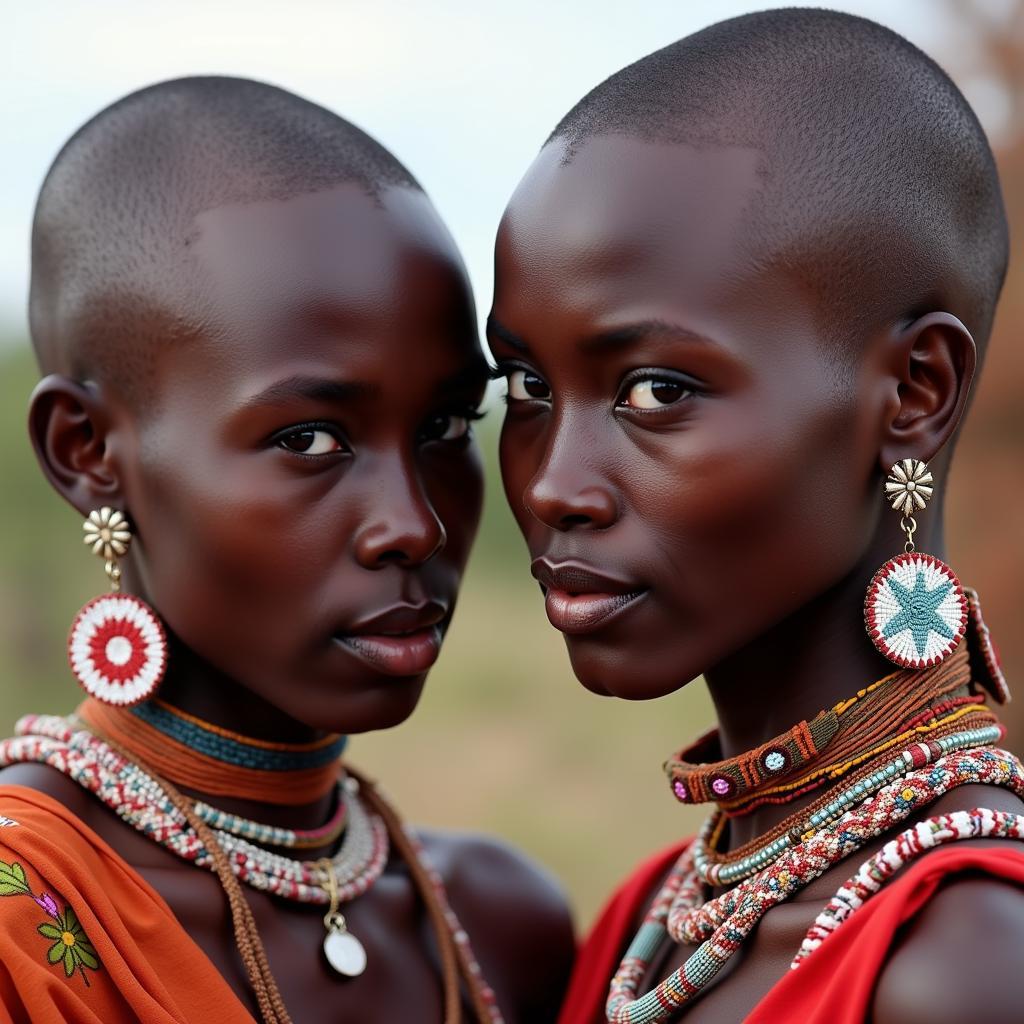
[(697, 475), (308, 456)]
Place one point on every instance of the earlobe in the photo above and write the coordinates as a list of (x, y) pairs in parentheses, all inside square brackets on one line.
[(68, 427), (937, 358)]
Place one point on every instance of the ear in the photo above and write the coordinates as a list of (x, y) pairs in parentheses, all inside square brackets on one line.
[(934, 362), (68, 426)]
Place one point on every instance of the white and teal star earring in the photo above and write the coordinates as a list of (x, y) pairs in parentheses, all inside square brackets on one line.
[(915, 609), (117, 647)]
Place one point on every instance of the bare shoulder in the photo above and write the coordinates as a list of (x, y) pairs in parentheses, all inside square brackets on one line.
[(517, 918), (44, 779), (963, 950)]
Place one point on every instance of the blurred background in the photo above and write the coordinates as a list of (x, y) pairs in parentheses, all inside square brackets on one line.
[(465, 93)]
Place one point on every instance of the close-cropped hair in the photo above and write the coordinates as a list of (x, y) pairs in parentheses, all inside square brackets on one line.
[(112, 273), (878, 185)]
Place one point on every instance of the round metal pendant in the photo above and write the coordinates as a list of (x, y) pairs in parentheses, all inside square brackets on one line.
[(915, 610), (345, 953), (118, 649)]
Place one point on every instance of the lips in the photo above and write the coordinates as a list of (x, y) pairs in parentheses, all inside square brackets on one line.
[(579, 599), (404, 640)]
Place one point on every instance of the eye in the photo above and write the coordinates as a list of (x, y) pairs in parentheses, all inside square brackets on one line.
[(524, 386), (446, 426), (655, 393), (310, 441)]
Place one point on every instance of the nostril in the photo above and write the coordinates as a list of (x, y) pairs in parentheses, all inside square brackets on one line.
[(576, 520)]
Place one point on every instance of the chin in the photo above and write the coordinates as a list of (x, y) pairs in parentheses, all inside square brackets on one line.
[(382, 706), (612, 670)]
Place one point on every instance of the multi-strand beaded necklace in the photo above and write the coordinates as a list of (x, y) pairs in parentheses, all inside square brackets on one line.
[(99, 749), (898, 745)]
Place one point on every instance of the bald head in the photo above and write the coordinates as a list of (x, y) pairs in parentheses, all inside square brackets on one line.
[(113, 276), (878, 187)]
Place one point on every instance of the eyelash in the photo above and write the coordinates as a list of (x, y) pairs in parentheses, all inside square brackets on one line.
[(471, 414), (503, 370), (305, 428)]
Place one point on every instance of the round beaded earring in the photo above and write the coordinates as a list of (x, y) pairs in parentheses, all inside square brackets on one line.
[(915, 609), (117, 646)]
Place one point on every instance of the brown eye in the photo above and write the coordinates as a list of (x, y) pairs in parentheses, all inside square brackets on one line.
[(655, 393), (446, 427), (523, 386), (308, 441)]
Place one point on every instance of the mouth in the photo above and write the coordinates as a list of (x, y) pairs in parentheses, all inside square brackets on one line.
[(579, 600), (403, 641)]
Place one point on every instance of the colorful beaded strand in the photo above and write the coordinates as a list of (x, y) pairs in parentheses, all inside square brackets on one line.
[(874, 872), (723, 924)]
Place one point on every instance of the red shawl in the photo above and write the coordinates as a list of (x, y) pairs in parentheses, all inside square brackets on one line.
[(832, 986)]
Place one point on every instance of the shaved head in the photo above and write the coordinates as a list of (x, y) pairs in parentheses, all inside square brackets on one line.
[(879, 189), (113, 274)]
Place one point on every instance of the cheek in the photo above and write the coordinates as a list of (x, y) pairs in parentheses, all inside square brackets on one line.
[(222, 535), (456, 489), (520, 451), (756, 507)]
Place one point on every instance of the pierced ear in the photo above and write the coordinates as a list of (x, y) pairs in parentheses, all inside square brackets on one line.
[(936, 361), (68, 427)]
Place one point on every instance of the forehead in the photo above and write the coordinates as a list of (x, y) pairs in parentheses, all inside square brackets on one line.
[(333, 275), (341, 248), (622, 214)]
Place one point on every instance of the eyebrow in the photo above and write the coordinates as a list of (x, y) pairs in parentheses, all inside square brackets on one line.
[(622, 337), (316, 389), (502, 333), (619, 337)]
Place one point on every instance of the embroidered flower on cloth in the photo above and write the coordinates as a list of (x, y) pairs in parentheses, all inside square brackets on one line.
[(70, 946)]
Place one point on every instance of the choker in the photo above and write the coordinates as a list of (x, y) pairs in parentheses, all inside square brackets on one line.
[(199, 755), (905, 707)]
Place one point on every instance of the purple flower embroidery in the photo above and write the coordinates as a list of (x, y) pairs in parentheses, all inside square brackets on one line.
[(46, 901)]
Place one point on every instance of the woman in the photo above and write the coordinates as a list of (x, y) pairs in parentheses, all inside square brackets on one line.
[(260, 370), (740, 298)]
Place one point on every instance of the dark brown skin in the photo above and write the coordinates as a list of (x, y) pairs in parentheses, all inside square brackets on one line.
[(678, 437), (305, 467)]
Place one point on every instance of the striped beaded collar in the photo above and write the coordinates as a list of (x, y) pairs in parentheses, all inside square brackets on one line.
[(904, 706), (199, 755)]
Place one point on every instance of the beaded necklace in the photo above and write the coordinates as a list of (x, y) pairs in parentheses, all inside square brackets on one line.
[(939, 719), (142, 802), (274, 835), (152, 806), (835, 742), (210, 759), (717, 869), (722, 924)]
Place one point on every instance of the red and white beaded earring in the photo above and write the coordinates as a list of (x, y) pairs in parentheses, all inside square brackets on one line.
[(915, 609), (117, 646)]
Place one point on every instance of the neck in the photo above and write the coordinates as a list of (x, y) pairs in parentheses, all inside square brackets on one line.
[(817, 657), (194, 686), (218, 742)]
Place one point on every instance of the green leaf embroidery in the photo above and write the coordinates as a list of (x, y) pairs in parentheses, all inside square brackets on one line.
[(70, 945), (13, 881)]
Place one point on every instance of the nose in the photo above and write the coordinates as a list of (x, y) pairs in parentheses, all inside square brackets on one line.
[(566, 493), (401, 526)]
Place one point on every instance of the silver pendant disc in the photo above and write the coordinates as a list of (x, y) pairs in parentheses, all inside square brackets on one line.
[(345, 953)]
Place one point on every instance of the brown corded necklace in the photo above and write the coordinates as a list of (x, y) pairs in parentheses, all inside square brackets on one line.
[(250, 947)]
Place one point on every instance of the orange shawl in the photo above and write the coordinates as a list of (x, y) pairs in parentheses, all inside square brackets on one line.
[(84, 939)]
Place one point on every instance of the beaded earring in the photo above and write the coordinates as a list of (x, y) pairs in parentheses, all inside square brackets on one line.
[(117, 646), (915, 609)]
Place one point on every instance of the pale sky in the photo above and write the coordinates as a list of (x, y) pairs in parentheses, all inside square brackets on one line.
[(464, 93)]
